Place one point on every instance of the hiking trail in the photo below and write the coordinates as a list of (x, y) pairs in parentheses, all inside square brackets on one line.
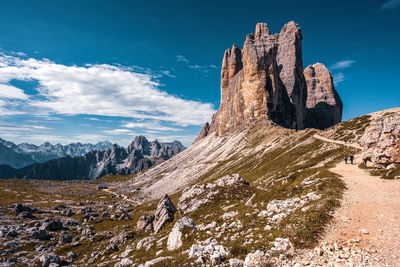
[(370, 203)]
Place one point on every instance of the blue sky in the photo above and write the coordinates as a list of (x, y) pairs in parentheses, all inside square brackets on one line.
[(94, 70)]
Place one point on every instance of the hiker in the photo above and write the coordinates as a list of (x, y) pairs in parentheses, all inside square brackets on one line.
[(351, 159), (345, 160)]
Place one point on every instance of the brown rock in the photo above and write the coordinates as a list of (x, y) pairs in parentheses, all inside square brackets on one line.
[(324, 106), (251, 89), (203, 133), (264, 82)]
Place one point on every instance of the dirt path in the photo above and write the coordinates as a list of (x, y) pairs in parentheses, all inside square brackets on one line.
[(369, 203)]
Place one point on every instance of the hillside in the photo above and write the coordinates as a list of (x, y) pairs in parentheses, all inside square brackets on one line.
[(291, 194)]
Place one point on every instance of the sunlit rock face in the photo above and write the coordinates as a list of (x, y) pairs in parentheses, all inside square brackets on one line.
[(264, 81)]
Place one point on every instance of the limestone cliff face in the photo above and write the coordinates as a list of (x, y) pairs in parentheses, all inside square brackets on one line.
[(324, 106), (263, 82), (290, 62), (381, 142)]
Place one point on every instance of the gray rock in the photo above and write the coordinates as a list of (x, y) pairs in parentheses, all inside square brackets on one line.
[(236, 263), (41, 234), (71, 255), (145, 223), (53, 225), (164, 213), (124, 262), (175, 236), (120, 239), (48, 259), (65, 239)]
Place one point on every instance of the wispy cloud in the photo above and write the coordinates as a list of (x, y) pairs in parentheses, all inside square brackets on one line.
[(120, 132), (181, 58), (337, 78), (151, 125), (344, 64), (167, 73), (391, 4), (201, 68), (102, 89)]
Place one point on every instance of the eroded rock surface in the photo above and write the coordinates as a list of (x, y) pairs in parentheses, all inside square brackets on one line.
[(381, 141)]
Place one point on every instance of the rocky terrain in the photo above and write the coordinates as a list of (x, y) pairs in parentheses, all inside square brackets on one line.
[(138, 156), (18, 156), (248, 192)]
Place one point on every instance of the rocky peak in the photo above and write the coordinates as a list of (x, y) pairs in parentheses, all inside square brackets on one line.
[(290, 62), (142, 144), (264, 82), (261, 30), (324, 106)]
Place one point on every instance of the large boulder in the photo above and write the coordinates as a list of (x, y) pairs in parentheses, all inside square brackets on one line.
[(175, 236), (164, 213)]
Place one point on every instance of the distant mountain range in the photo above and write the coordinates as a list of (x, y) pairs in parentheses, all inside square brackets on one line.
[(18, 156), (138, 156)]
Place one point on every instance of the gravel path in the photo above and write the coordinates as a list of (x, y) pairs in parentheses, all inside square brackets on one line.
[(370, 212)]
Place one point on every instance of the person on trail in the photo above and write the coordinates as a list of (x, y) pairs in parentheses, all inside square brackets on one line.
[(351, 159), (345, 160)]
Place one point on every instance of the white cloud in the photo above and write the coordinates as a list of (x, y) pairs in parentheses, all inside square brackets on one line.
[(168, 73), (337, 78), (120, 132), (180, 58), (104, 90), (152, 125), (11, 92), (40, 127), (344, 64), (391, 4)]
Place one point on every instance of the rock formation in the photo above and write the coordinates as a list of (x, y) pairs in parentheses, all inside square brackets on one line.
[(264, 81), (324, 106), (381, 142), (164, 213)]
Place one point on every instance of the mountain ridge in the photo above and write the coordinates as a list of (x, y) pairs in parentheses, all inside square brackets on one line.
[(24, 154), (138, 156)]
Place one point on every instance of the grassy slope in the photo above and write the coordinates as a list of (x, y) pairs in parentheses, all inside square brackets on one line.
[(276, 162)]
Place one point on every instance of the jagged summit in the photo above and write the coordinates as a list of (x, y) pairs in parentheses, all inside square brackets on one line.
[(264, 81)]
